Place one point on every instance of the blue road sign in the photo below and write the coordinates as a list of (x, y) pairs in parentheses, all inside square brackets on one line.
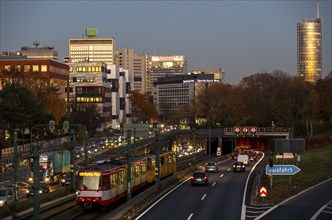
[(282, 170)]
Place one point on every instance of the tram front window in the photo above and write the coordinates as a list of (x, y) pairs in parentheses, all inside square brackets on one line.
[(89, 182)]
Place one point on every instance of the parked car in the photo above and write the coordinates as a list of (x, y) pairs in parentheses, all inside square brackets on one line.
[(211, 167), (6, 196), (200, 178), (44, 188), (239, 167)]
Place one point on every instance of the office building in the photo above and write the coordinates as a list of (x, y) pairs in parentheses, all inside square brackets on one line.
[(166, 66), (91, 48), (172, 95), (137, 65), (309, 48), (90, 91), (51, 72)]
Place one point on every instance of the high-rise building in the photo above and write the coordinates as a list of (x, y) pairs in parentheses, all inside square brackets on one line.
[(92, 49), (165, 66), (136, 64), (309, 48)]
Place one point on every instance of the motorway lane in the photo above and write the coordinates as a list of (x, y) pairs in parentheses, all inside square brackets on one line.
[(304, 205), (222, 199)]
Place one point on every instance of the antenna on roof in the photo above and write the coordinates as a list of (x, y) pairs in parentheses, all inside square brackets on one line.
[(317, 9), (36, 43)]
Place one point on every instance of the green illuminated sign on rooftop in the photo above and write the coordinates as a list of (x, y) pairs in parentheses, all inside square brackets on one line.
[(91, 32)]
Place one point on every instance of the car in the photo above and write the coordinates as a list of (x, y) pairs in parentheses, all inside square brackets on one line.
[(44, 188), (239, 167), (235, 155), (211, 167), (244, 158), (200, 178), (6, 196), (66, 179)]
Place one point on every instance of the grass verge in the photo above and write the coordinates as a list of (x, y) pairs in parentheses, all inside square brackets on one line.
[(315, 167)]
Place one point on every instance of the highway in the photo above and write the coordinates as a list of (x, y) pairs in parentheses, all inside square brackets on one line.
[(221, 199)]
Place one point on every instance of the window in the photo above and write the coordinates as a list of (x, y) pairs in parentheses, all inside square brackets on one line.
[(112, 180), (35, 68), (43, 68), (7, 68), (26, 68), (17, 68)]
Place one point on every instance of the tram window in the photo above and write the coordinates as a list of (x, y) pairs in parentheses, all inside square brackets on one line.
[(143, 168), (162, 160), (149, 164), (106, 183), (112, 180), (121, 177), (169, 158)]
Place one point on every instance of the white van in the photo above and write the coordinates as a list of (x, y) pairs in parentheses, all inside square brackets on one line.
[(243, 158)]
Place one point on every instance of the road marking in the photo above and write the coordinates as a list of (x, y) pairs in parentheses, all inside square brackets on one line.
[(203, 197), (221, 175), (213, 184), (229, 169), (321, 210), (190, 216)]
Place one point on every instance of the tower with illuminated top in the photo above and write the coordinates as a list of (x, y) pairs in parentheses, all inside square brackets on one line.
[(309, 48)]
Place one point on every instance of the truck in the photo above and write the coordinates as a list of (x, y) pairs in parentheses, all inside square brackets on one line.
[(52, 166)]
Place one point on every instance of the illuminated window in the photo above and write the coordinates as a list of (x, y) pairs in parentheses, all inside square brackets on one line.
[(35, 68), (17, 68), (43, 68), (7, 68), (26, 68)]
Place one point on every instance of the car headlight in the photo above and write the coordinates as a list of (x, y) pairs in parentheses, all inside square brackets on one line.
[(63, 180), (2, 202), (40, 191), (47, 179), (27, 191)]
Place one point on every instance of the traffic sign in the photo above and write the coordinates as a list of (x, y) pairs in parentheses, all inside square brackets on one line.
[(262, 191), (282, 170)]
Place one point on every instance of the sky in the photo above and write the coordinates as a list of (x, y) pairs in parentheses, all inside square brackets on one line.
[(242, 37)]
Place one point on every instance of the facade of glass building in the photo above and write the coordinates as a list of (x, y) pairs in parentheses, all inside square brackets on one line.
[(309, 49)]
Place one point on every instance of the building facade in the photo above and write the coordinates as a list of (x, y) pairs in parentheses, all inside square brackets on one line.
[(91, 49), (309, 49), (90, 90), (174, 94), (137, 64), (166, 66), (47, 71)]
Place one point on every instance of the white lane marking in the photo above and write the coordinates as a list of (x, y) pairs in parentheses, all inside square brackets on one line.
[(203, 197), (213, 184), (221, 175), (320, 210), (161, 199), (229, 169), (243, 210), (190, 216)]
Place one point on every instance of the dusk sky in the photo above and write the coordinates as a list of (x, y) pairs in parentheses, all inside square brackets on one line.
[(242, 37)]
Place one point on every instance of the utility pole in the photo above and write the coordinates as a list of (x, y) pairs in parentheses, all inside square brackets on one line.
[(15, 171), (209, 142), (72, 159), (157, 169), (129, 165), (194, 140)]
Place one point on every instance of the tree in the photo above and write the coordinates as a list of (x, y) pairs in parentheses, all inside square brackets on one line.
[(142, 109), (18, 108)]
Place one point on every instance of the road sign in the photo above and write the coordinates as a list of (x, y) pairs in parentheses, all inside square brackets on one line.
[(262, 191), (282, 170)]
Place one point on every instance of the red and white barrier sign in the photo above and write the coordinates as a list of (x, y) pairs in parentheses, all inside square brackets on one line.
[(262, 191)]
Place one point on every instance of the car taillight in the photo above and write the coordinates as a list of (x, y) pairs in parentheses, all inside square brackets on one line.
[(192, 177), (205, 177)]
